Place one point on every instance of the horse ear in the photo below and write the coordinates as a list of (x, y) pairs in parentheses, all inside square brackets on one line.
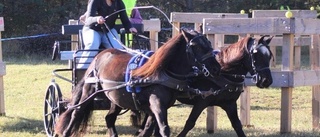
[(261, 40), (200, 28), (269, 39), (185, 35)]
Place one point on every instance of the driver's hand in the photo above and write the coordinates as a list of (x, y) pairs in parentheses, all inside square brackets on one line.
[(133, 30), (83, 18), (101, 20)]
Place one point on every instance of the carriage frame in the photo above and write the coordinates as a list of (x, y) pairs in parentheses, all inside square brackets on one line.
[(54, 103)]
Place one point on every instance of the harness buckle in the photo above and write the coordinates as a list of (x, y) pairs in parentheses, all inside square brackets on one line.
[(255, 78), (205, 70)]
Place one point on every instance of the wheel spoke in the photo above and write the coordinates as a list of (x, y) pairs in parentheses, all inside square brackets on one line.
[(49, 104), (48, 114), (53, 95), (51, 122)]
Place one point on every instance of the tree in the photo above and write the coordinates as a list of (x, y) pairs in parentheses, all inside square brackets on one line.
[(32, 17)]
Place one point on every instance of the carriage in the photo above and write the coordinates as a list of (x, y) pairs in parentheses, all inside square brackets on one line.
[(54, 102)]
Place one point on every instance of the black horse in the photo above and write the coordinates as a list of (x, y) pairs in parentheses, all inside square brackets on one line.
[(165, 74), (236, 61)]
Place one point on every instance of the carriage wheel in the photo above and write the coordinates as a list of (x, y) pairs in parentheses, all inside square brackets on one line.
[(52, 108)]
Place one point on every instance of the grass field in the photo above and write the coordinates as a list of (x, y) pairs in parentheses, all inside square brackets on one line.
[(26, 81)]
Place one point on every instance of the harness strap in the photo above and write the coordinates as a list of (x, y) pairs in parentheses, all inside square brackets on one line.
[(195, 73), (224, 84), (164, 79)]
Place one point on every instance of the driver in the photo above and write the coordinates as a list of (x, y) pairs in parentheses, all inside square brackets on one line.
[(98, 28)]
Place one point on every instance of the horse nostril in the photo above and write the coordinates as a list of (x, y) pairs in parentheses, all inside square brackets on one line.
[(263, 82)]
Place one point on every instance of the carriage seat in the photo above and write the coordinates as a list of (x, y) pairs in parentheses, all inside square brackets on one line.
[(77, 30)]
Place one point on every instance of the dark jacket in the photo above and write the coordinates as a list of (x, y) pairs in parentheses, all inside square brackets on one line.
[(97, 8)]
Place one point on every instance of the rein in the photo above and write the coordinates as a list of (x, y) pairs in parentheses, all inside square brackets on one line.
[(164, 79), (174, 81)]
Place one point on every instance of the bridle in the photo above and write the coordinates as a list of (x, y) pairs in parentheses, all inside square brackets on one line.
[(223, 80), (197, 63), (254, 70)]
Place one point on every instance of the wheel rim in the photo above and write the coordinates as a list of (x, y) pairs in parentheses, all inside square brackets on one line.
[(51, 108)]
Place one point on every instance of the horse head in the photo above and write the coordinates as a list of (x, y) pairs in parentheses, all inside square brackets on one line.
[(261, 55), (248, 55), (200, 53)]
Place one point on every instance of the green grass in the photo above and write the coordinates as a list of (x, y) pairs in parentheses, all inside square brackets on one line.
[(26, 81)]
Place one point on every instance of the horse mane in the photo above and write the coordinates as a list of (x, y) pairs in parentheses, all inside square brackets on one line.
[(160, 58), (233, 53)]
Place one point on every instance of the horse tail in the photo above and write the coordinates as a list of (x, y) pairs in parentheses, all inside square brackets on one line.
[(83, 113)]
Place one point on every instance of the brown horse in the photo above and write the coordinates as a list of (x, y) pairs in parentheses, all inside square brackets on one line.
[(166, 73), (246, 55)]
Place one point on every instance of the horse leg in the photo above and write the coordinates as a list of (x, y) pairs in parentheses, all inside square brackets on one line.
[(111, 118), (144, 121), (135, 118), (161, 115), (156, 131), (231, 110), (148, 126), (193, 116)]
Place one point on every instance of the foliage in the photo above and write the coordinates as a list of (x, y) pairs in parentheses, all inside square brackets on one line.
[(33, 17)]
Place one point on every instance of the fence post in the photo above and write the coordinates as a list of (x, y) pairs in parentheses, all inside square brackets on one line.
[(286, 92), (2, 72), (315, 63)]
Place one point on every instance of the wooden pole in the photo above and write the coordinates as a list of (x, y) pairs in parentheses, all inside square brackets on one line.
[(154, 27), (286, 92), (245, 100), (74, 45), (212, 122), (245, 107), (212, 112), (2, 73), (315, 63)]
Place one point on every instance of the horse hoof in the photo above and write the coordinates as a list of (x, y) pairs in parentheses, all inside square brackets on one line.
[(138, 132)]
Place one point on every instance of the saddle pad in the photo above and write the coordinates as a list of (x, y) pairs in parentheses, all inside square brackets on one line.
[(135, 62)]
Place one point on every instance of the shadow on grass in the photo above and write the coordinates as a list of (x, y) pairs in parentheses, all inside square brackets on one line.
[(31, 126), (36, 126), (23, 125), (202, 132), (252, 107), (32, 60), (122, 130), (251, 132)]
